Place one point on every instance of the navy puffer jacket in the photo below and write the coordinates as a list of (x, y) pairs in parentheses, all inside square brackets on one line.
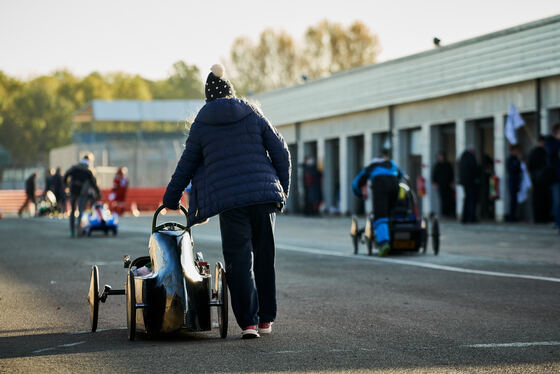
[(234, 158)]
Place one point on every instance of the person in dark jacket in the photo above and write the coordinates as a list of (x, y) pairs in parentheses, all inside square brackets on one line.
[(442, 179), (29, 193), (513, 169), (537, 166), (239, 166), (58, 189), (312, 187), (81, 182), (469, 178), (49, 182), (552, 145), (384, 175)]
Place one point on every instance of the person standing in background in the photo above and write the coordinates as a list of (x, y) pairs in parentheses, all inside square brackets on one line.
[(58, 184), (442, 180), (513, 168), (312, 186), (49, 182), (469, 178), (537, 166), (29, 194), (81, 182), (118, 193)]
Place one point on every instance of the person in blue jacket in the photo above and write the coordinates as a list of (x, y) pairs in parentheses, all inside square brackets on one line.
[(384, 175), (239, 166)]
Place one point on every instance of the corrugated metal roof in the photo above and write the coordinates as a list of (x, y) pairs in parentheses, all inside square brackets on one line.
[(513, 55), (139, 111)]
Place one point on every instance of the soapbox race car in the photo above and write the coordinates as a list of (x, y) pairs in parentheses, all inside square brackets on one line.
[(100, 219), (169, 290), (408, 231)]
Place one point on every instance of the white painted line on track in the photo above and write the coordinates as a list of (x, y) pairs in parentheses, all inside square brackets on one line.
[(369, 350), (89, 331), (513, 345), (427, 265), (58, 346)]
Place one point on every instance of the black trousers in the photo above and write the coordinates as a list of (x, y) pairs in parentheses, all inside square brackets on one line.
[(469, 203), (80, 201), (512, 213), (446, 200), (385, 191), (28, 199), (542, 201), (248, 248)]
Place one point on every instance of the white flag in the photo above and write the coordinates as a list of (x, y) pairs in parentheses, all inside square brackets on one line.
[(513, 122)]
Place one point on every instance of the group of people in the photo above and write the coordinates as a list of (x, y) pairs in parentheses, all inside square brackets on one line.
[(541, 173), (238, 167), (78, 186)]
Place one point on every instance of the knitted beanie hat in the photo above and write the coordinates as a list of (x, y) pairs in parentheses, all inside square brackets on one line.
[(216, 85)]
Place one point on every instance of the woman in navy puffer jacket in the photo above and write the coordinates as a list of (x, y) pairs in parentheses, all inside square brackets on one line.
[(240, 169)]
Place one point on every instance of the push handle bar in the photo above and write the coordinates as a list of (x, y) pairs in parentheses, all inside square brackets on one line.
[(160, 227)]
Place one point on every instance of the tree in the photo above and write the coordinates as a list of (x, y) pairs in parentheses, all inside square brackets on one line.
[(36, 115), (126, 86), (36, 118), (184, 82), (276, 60), (271, 63), (95, 86)]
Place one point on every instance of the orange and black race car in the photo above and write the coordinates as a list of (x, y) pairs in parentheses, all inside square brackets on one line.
[(408, 231)]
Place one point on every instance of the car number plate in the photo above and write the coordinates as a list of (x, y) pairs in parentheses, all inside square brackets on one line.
[(404, 244), (402, 236)]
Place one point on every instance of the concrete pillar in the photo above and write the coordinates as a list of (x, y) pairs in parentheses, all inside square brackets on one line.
[(461, 145), (544, 127), (395, 144), (344, 182), (321, 154), (368, 147), (368, 155), (329, 179), (321, 166), (426, 150), (499, 163), (403, 150)]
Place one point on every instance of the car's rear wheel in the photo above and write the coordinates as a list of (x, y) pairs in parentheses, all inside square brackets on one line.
[(222, 298), (130, 292), (93, 298)]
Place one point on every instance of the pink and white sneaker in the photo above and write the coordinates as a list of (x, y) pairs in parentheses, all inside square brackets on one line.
[(250, 332), (265, 327)]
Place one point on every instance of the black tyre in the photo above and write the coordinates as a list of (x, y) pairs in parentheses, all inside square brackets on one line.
[(435, 236), (114, 230), (354, 235), (355, 243), (130, 292), (93, 298), (424, 235), (222, 296)]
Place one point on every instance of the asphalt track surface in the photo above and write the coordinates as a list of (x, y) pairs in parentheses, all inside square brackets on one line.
[(490, 302)]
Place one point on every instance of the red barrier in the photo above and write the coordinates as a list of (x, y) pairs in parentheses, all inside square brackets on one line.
[(12, 200), (144, 198)]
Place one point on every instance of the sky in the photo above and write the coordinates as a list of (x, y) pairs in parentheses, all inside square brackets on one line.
[(147, 37)]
